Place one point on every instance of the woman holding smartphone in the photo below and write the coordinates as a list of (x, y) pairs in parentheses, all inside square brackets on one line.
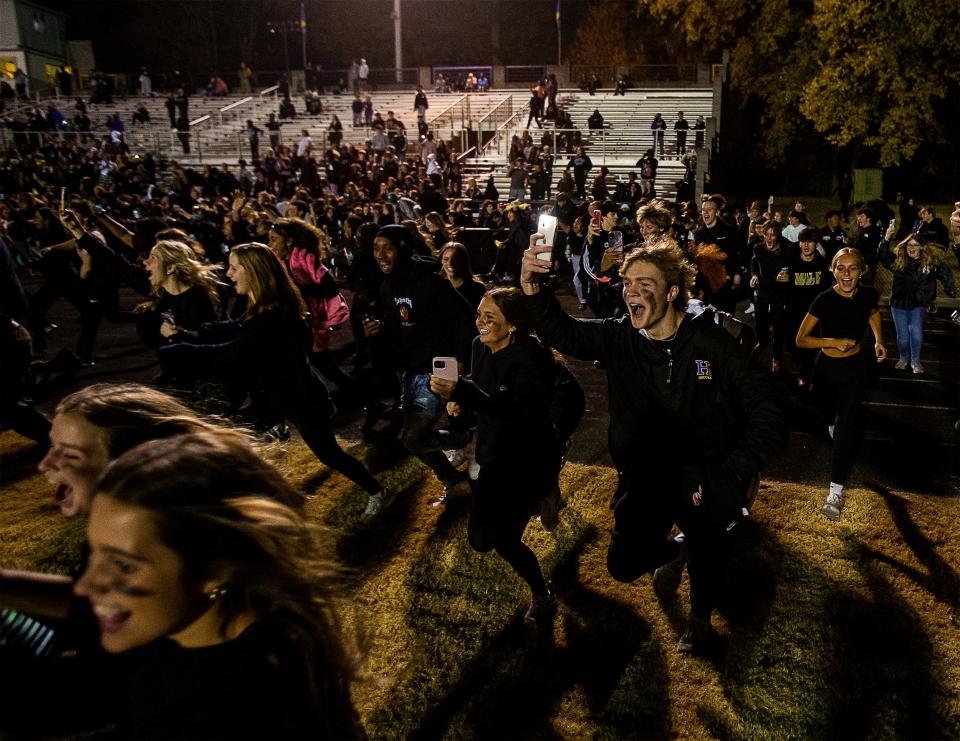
[(510, 387), (842, 315)]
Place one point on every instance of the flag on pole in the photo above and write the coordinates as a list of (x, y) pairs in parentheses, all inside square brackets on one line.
[(558, 14)]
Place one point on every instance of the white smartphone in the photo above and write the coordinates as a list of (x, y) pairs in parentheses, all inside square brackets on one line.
[(446, 368), (547, 226)]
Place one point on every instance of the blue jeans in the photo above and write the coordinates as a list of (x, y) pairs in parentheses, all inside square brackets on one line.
[(909, 325), (422, 410)]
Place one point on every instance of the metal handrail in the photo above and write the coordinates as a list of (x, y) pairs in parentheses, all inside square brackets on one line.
[(450, 110), (463, 156), (268, 91), (501, 130), (233, 105)]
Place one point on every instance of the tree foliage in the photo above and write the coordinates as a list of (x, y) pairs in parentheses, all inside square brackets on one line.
[(608, 37), (868, 74)]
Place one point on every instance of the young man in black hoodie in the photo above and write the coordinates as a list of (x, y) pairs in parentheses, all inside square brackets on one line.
[(424, 317), (692, 421)]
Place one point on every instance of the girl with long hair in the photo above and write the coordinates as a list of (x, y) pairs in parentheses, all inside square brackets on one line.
[(303, 248), (184, 292), (455, 267), (916, 268), (264, 354), (198, 561)]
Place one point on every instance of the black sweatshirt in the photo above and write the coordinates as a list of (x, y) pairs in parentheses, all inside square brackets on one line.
[(698, 399), (425, 316)]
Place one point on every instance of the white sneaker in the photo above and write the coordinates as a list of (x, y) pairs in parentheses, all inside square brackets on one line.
[(902, 364), (750, 309), (831, 510), (377, 503), (917, 368)]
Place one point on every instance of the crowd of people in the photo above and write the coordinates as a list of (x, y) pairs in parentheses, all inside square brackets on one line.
[(201, 582)]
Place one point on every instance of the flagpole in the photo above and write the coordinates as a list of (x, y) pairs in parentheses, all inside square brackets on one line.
[(559, 57)]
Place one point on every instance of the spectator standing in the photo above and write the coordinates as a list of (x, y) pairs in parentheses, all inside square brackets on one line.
[(20, 83), (245, 75), (183, 132), (357, 108), (518, 180), (700, 127), (146, 85), (273, 126), (916, 268), (253, 137), (681, 126), (420, 102), (581, 165), (363, 72), (171, 106), (658, 127), (368, 111), (648, 173)]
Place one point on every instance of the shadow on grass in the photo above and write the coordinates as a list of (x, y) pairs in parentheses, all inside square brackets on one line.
[(481, 673), (881, 663), (941, 579), (808, 653), (22, 463)]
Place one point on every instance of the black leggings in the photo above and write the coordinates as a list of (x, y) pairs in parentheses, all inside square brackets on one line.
[(838, 386), (501, 510), (769, 309), (319, 437)]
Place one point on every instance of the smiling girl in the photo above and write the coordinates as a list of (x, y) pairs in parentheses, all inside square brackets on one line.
[(198, 558), (843, 314)]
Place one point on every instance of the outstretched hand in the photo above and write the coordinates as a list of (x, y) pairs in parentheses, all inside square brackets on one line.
[(531, 267)]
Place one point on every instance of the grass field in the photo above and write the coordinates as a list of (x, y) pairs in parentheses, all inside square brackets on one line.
[(828, 630)]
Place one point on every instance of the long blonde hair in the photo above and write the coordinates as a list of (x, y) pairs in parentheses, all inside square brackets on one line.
[(929, 254), (186, 268)]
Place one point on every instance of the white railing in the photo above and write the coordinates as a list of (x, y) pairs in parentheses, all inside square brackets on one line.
[(232, 106), (266, 92)]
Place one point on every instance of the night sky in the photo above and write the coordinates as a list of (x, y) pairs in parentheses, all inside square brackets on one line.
[(204, 36)]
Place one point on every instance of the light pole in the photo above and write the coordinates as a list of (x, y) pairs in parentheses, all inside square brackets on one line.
[(397, 41)]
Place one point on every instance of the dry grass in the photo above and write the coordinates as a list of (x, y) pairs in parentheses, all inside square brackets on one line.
[(846, 630)]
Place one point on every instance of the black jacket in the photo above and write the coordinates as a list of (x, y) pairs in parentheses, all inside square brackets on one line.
[(265, 356), (425, 316), (511, 391), (696, 400)]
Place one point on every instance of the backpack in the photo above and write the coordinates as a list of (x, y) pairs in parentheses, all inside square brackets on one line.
[(568, 404)]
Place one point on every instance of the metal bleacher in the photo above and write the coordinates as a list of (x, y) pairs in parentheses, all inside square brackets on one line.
[(217, 134)]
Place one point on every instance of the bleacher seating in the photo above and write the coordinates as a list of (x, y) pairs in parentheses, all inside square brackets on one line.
[(625, 138)]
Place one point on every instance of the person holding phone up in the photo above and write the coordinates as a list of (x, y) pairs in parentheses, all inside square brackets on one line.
[(692, 421), (510, 386)]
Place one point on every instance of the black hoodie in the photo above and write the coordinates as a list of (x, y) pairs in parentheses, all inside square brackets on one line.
[(425, 316), (696, 401)]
